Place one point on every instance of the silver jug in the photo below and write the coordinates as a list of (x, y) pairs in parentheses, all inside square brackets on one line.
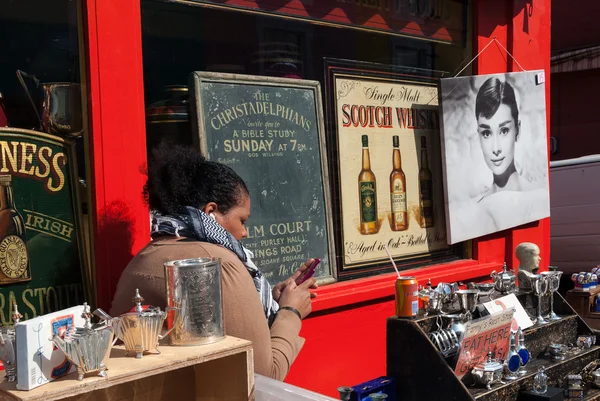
[(61, 107), (8, 346), (139, 330), (194, 285), (87, 347)]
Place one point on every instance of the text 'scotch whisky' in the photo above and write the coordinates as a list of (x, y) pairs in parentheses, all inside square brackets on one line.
[(367, 193), (398, 190), (14, 260), (425, 188)]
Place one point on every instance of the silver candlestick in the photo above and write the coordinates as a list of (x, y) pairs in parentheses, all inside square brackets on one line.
[(539, 284)]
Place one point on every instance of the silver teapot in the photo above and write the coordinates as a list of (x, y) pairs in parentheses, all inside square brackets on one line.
[(8, 351), (87, 347), (505, 282), (488, 372), (140, 330)]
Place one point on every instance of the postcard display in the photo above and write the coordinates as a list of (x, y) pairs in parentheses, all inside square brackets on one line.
[(428, 373)]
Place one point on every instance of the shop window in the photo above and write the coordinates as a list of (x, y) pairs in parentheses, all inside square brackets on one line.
[(43, 268), (180, 38)]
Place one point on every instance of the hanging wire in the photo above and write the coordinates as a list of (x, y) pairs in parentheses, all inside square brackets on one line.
[(494, 39)]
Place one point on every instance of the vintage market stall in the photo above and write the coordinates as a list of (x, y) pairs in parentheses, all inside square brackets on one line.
[(132, 50)]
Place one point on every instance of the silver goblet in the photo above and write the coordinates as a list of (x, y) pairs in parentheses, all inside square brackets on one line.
[(553, 278), (539, 284)]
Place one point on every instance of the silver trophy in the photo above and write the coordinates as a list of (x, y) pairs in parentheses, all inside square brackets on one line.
[(139, 330), (539, 284), (87, 348), (467, 299), (8, 352), (553, 278)]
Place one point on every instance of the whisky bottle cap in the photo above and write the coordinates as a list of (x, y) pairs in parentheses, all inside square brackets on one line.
[(396, 141), (365, 141), (5, 179), (423, 142)]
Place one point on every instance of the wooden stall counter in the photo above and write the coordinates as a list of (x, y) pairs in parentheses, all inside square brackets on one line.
[(583, 303), (219, 371)]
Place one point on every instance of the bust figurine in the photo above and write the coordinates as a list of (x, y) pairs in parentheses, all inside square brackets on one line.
[(529, 258)]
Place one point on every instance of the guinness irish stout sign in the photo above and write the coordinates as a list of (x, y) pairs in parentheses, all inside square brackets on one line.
[(41, 254)]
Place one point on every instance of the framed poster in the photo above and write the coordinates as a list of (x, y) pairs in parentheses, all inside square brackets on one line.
[(42, 258), (495, 152), (384, 153), (270, 132)]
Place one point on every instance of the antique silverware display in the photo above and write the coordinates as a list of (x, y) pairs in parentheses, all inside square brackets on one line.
[(523, 352), (194, 286), (539, 284), (8, 351), (540, 381), (345, 392), (505, 282), (139, 330), (87, 348), (487, 372), (553, 278), (512, 363)]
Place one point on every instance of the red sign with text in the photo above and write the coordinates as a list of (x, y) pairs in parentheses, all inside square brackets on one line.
[(440, 20), (490, 333)]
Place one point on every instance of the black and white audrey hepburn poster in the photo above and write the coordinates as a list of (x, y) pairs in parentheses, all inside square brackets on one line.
[(494, 152)]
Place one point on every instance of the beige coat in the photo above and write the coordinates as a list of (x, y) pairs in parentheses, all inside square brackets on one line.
[(274, 349)]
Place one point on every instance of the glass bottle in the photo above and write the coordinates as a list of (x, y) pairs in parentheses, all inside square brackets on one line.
[(540, 381), (367, 193), (14, 258), (399, 221), (425, 188)]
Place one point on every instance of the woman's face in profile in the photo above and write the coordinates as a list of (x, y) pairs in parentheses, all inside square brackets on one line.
[(497, 136)]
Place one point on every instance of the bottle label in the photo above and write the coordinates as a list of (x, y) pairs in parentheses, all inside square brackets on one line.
[(13, 257), (398, 196), (368, 202)]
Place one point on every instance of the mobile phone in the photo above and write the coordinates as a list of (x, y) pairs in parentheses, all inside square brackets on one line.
[(308, 273)]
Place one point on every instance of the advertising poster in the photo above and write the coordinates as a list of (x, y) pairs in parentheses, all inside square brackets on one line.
[(41, 246), (495, 152), (389, 167), (270, 132)]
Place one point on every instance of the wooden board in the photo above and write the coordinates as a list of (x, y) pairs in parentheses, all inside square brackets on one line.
[(270, 131), (223, 370)]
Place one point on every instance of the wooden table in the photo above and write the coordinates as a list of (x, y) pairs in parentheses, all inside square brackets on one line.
[(219, 371), (583, 303)]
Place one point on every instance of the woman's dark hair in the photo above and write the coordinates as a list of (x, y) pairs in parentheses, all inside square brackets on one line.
[(180, 176), (491, 95)]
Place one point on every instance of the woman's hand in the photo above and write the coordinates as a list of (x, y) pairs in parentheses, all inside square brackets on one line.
[(298, 296), (278, 288)]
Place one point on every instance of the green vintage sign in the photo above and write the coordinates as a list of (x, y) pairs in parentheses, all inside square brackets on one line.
[(41, 253)]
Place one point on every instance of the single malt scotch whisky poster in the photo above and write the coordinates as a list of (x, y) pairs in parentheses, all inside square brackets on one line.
[(389, 166), (495, 152), (41, 248), (270, 132)]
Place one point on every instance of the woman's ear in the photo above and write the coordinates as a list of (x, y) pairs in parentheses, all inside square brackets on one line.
[(210, 207)]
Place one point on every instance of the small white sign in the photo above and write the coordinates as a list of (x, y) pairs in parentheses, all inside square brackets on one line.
[(520, 317), (540, 78)]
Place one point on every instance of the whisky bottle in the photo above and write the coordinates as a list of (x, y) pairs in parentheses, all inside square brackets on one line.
[(398, 190), (14, 260), (425, 188), (367, 193)]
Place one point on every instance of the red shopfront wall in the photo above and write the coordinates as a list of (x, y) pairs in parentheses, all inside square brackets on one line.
[(345, 335)]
